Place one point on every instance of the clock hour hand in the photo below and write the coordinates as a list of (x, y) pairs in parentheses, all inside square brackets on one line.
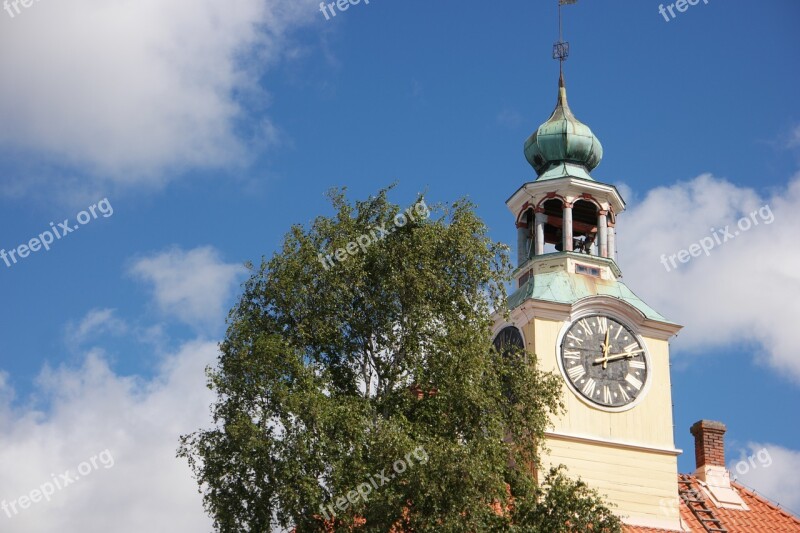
[(606, 358)]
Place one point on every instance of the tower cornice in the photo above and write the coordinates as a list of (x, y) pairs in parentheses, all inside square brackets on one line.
[(569, 189)]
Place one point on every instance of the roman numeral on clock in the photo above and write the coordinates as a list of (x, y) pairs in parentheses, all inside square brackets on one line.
[(588, 389), (606, 394), (633, 381), (624, 394), (576, 339), (586, 326), (636, 364), (576, 372)]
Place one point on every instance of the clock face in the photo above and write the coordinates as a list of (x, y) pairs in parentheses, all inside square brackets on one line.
[(508, 343), (507, 340), (604, 361)]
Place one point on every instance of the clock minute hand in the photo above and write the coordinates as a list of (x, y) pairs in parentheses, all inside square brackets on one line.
[(606, 349)]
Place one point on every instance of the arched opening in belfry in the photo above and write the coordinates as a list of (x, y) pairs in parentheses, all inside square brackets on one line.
[(525, 236), (584, 226), (554, 224)]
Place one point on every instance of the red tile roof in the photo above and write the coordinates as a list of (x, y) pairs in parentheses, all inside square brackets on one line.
[(763, 516)]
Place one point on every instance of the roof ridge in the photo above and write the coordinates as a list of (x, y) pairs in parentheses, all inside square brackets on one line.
[(775, 505)]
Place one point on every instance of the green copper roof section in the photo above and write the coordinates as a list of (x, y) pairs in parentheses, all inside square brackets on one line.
[(565, 170), (567, 288), (563, 146)]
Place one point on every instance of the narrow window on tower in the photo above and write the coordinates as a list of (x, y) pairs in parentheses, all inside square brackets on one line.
[(587, 270)]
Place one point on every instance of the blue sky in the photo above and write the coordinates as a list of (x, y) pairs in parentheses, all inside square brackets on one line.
[(211, 130)]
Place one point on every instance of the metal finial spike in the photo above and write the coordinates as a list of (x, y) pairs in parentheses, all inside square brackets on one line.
[(562, 92), (561, 48)]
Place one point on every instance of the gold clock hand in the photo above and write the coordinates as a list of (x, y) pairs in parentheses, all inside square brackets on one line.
[(606, 359), (606, 348)]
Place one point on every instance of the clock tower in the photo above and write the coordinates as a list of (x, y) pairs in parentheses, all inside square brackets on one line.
[(571, 308)]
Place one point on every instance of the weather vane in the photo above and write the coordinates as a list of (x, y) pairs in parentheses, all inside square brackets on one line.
[(561, 48)]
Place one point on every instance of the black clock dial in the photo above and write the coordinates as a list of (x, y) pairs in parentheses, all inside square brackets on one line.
[(508, 340), (509, 344), (604, 361)]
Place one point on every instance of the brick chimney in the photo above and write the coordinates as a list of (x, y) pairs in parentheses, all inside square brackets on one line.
[(709, 452), (709, 443)]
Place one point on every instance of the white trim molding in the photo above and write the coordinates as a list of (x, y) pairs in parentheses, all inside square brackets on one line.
[(613, 444)]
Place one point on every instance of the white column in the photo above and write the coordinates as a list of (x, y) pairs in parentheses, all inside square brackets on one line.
[(567, 227), (602, 234), (523, 239), (541, 218), (612, 242)]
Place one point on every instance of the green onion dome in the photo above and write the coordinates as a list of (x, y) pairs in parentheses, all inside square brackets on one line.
[(563, 141)]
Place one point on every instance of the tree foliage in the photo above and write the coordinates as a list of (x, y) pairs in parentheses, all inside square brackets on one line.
[(332, 375)]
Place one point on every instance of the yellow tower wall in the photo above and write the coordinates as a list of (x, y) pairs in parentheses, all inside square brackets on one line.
[(629, 456)]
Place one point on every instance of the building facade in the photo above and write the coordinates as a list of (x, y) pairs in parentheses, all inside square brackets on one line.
[(571, 308)]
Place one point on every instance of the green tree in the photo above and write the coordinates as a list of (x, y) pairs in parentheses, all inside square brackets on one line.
[(563, 505), (361, 392)]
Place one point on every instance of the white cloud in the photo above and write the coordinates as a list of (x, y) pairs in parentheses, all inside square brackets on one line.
[(626, 192), (771, 470), (794, 138), (92, 409), (193, 285), (132, 92), (96, 321), (129, 426), (743, 293)]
